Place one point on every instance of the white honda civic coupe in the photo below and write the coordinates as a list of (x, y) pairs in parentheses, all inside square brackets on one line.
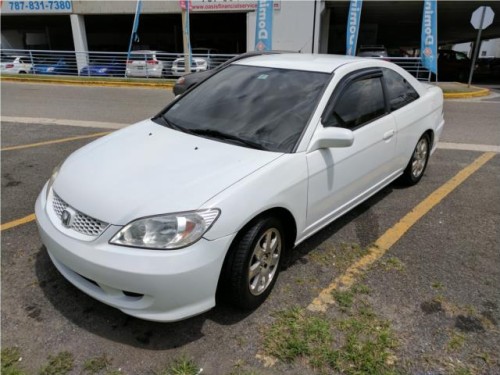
[(206, 197)]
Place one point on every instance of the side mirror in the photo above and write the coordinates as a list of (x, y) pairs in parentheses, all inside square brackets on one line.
[(331, 137)]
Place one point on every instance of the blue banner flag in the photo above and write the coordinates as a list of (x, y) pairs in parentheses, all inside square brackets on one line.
[(264, 26), (134, 37), (353, 19), (428, 45)]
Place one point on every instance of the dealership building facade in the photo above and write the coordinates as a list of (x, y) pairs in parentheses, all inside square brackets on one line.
[(228, 25)]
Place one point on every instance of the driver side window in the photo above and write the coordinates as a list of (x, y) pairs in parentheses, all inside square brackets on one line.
[(359, 103)]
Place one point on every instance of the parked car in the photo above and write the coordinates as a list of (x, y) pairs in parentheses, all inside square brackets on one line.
[(15, 64), (145, 63), (206, 197), (453, 66), (187, 81), (372, 51), (487, 67), (55, 65), (202, 60), (112, 67)]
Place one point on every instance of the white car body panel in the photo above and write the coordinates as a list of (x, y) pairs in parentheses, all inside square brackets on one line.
[(156, 274), (173, 165), (148, 169), (340, 178)]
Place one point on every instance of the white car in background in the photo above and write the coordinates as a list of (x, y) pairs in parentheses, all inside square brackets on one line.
[(15, 65), (206, 197), (144, 64), (201, 60)]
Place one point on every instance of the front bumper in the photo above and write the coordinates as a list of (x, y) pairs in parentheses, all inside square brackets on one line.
[(157, 285)]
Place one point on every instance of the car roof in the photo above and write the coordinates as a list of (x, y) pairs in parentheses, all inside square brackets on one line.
[(299, 61)]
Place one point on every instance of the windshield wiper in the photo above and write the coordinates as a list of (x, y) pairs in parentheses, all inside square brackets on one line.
[(163, 119), (220, 135)]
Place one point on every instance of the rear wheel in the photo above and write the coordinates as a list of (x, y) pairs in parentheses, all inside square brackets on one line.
[(255, 263), (418, 162)]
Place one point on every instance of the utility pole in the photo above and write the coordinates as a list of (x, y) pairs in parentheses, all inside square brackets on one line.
[(185, 36)]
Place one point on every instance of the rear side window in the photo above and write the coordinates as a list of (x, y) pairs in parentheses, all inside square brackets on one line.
[(361, 102), (399, 91), (141, 57)]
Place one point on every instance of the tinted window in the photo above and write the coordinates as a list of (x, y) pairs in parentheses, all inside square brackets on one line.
[(361, 102), (141, 57), (399, 91), (269, 107)]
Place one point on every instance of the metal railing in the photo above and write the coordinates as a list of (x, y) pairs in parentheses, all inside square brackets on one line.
[(412, 65), (139, 64), (142, 64)]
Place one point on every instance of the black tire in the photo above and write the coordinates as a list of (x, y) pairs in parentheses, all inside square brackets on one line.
[(241, 289), (418, 162)]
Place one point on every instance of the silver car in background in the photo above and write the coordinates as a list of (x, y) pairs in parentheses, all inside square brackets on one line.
[(144, 63)]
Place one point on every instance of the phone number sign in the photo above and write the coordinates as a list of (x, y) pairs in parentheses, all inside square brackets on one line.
[(36, 6)]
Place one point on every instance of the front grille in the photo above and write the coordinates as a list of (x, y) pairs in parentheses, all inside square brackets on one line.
[(80, 222)]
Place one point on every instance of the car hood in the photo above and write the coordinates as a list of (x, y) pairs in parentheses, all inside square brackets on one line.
[(148, 169)]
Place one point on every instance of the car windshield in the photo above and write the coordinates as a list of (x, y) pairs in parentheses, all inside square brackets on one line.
[(141, 57), (264, 107)]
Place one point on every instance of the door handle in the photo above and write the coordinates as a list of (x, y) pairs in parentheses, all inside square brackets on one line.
[(389, 134)]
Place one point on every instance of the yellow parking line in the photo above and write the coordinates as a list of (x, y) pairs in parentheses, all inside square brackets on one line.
[(392, 235), (15, 223), (93, 135)]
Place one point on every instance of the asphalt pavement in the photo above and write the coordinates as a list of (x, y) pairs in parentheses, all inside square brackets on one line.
[(435, 290)]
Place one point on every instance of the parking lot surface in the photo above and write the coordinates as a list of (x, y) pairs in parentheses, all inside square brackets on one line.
[(428, 304)]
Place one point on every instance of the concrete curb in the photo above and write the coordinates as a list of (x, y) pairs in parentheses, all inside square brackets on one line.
[(478, 92), (447, 95), (90, 83)]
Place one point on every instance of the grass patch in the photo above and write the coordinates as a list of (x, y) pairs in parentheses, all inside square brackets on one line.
[(368, 344), (358, 344), (10, 362), (96, 364), (393, 263), (457, 341), (59, 364), (341, 257), (344, 299), (296, 334), (240, 368), (437, 285), (180, 366)]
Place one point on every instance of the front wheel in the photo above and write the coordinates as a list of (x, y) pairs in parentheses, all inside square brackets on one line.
[(255, 263), (418, 162)]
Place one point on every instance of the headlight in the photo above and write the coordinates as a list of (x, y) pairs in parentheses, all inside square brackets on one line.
[(102, 70), (50, 69), (52, 178), (169, 231), (180, 81)]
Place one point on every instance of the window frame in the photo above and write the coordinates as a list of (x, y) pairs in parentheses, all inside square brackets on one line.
[(344, 84)]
